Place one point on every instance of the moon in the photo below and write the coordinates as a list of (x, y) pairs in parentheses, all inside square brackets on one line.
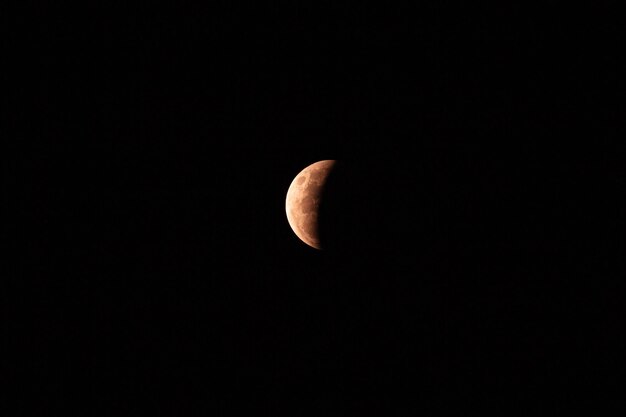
[(303, 200)]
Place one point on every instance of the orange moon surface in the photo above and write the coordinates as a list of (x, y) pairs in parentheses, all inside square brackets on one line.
[(303, 199)]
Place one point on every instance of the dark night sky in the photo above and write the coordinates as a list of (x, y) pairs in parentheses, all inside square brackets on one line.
[(475, 220)]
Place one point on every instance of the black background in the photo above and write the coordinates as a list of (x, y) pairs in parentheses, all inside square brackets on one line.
[(475, 221)]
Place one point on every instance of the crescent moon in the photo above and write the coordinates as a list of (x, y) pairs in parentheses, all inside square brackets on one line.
[(303, 199)]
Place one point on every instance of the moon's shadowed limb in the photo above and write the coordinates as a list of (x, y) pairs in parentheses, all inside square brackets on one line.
[(354, 206)]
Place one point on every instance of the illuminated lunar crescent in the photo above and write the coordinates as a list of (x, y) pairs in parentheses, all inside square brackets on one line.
[(303, 200)]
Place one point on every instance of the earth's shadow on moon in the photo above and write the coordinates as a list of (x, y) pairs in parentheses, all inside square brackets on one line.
[(358, 212)]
